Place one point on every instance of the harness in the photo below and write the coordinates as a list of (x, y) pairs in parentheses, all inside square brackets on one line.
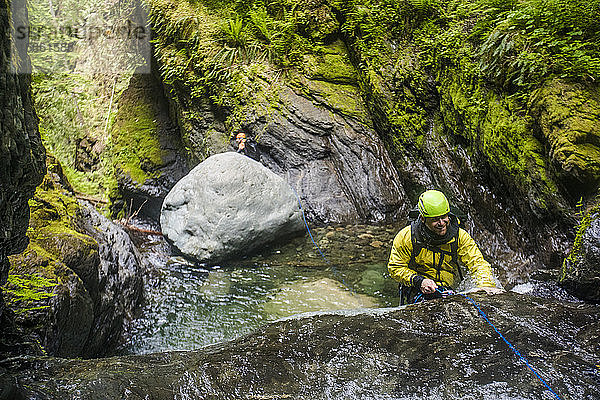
[(408, 294)]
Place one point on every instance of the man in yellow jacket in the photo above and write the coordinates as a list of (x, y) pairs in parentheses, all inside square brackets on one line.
[(426, 254)]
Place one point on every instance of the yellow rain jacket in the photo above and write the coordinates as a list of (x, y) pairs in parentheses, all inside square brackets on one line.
[(428, 265)]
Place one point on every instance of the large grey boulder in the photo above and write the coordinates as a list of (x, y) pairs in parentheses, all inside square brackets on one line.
[(227, 206)]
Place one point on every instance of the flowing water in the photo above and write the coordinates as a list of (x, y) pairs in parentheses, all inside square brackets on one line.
[(190, 306)]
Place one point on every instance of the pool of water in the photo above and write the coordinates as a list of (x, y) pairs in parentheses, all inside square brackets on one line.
[(190, 306)]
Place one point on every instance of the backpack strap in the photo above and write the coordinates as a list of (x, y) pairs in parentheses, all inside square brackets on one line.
[(417, 246), (454, 255)]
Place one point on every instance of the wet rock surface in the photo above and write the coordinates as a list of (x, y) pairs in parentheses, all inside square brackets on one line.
[(441, 349), (80, 278), (229, 206), (120, 272), (335, 161), (583, 276), (22, 155)]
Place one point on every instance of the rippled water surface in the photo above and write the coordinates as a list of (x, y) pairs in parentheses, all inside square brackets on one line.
[(189, 306)]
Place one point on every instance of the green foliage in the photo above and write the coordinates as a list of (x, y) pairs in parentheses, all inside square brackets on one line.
[(516, 44), (233, 30), (72, 107), (263, 23), (201, 55), (586, 219), (524, 43), (231, 53), (484, 57)]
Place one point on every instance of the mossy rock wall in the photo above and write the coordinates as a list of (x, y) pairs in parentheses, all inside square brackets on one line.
[(513, 154), (147, 154), (567, 116), (51, 282), (445, 95), (311, 125), (63, 287), (22, 156)]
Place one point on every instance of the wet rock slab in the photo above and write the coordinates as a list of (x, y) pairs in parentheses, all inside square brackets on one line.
[(441, 349)]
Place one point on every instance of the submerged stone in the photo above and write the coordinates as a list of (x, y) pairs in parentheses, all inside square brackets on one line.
[(321, 295), (441, 349)]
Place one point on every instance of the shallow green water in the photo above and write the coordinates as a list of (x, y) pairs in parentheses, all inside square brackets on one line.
[(190, 306)]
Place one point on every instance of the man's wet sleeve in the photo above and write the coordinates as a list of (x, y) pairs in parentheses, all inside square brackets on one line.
[(400, 257)]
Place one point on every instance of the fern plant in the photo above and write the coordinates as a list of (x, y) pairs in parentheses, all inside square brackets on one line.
[(263, 24), (233, 31), (524, 43)]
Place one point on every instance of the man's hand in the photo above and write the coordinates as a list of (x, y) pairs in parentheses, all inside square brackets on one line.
[(428, 286)]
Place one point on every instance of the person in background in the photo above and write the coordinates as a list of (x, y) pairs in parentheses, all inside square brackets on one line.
[(246, 146), (426, 255)]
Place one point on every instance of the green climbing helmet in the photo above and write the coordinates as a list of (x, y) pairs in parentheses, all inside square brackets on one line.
[(433, 203)]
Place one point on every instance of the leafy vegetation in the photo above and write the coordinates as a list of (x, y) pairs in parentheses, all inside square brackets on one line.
[(515, 44), (531, 41), (79, 72), (73, 108), (586, 217)]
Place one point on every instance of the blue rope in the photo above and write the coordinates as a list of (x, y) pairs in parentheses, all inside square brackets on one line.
[(510, 345), (334, 270), (310, 233)]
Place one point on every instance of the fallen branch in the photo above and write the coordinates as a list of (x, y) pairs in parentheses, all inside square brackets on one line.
[(141, 230), (90, 199)]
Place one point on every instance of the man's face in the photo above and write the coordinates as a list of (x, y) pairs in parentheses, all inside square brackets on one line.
[(438, 225)]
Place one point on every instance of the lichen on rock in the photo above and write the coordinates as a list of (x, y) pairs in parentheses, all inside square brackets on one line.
[(580, 272)]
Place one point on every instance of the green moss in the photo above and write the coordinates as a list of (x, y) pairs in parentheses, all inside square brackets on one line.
[(496, 126), (55, 252), (136, 147), (50, 205), (477, 57), (330, 63), (568, 116), (345, 99), (571, 262), (28, 288), (73, 107)]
